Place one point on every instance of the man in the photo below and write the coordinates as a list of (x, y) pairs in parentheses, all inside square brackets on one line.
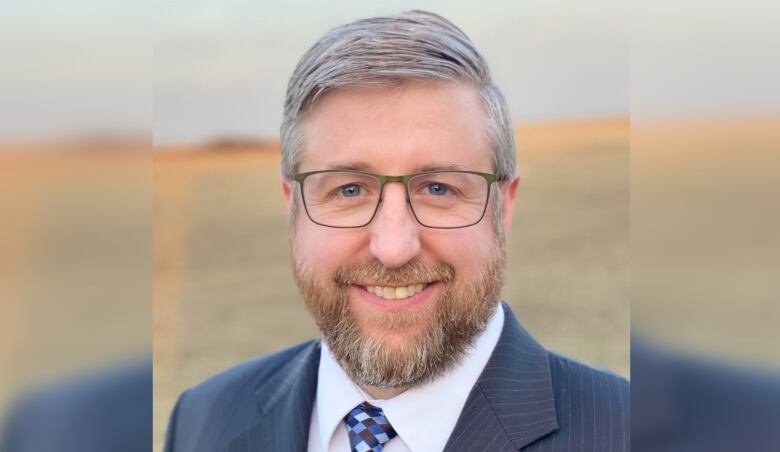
[(398, 160)]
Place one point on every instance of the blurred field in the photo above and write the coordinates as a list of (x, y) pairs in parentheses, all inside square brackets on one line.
[(75, 259), (223, 289), (705, 236)]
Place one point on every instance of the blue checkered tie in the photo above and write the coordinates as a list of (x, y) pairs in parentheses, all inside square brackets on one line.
[(368, 428)]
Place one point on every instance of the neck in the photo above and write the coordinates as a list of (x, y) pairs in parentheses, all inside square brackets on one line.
[(379, 393)]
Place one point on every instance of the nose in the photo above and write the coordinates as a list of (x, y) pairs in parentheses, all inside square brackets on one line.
[(395, 236)]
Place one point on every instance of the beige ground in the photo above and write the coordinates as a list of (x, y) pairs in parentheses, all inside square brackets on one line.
[(223, 289)]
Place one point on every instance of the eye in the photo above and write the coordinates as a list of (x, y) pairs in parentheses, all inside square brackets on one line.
[(350, 190), (437, 189)]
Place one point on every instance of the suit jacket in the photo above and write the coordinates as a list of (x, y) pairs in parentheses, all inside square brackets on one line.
[(526, 398)]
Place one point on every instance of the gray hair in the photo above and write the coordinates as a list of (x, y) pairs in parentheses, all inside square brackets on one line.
[(389, 50)]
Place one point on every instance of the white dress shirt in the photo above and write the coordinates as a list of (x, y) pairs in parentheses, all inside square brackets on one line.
[(423, 417)]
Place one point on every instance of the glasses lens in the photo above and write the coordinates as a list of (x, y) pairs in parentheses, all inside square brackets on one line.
[(448, 199), (341, 199)]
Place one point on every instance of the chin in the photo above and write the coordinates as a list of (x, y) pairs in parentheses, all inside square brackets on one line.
[(394, 331), (393, 327), (397, 340)]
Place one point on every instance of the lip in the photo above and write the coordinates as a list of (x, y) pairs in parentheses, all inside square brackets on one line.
[(417, 299)]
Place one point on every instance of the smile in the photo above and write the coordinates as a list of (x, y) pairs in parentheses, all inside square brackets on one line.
[(396, 293)]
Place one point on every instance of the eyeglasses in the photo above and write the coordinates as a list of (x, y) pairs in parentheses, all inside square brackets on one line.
[(351, 199)]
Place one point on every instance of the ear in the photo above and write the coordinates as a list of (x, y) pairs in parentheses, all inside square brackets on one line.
[(508, 193), (287, 192)]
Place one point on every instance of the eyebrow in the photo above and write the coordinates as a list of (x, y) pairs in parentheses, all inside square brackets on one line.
[(351, 166), (364, 167), (441, 167)]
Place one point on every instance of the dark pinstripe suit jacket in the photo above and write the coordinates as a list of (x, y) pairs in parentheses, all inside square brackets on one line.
[(525, 399)]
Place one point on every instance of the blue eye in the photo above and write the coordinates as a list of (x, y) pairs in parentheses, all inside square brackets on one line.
[(350, 190), (438, 189)]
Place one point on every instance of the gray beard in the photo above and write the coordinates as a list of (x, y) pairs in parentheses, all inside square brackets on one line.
[(459, 316)]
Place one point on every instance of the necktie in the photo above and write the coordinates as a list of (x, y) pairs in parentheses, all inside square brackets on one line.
[(368, 428)]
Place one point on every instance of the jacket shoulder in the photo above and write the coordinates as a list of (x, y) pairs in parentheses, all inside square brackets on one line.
[(248, 374), (563, 366), (216, 404), (591, 404)]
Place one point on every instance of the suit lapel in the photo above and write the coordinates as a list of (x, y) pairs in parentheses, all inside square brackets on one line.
[(284, 407), (512, 405)]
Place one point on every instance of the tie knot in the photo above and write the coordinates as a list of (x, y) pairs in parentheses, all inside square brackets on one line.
[(368, 428)]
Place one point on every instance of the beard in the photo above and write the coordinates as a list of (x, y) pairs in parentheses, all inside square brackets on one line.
[(371, 358)]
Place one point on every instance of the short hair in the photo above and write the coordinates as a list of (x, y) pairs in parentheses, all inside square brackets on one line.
[(389, 50)]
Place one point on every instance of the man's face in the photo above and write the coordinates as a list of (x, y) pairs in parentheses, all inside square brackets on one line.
[(458, 272)]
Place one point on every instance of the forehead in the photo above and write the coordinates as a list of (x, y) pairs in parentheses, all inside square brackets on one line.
[(398, 130)]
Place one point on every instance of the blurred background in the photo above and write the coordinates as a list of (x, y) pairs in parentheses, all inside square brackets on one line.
[(705, 227), (75, 226)]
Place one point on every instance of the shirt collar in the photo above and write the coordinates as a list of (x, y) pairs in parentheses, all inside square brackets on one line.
[(441, 400), (336, 395)]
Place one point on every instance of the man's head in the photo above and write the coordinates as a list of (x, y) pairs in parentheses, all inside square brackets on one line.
[(398, 302)]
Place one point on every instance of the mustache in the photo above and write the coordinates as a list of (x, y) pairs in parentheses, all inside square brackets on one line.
[(372, 271)]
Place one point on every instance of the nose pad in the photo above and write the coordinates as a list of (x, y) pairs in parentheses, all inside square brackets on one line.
[(394, 231), (382, 196)]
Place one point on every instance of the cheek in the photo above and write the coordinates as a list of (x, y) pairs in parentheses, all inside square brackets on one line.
[(323, 249), (465, 249)]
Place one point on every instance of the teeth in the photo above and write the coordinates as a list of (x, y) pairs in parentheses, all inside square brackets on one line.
[(395, 293)]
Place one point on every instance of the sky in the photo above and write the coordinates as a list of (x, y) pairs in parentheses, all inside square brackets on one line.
[(195, 70), (221, 68)]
